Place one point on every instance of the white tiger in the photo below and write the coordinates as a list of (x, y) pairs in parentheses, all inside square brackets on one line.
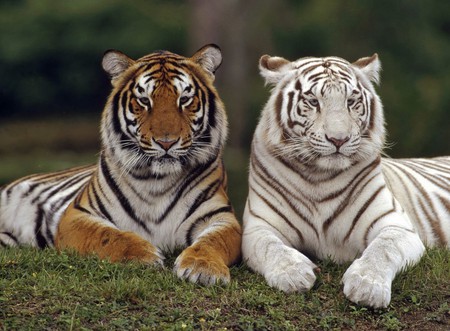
[(318, 186)]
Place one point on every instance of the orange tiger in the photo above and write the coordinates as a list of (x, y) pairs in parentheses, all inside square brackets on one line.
[(159, 183)]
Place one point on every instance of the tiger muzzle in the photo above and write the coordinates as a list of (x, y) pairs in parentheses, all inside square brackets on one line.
[(166, 143)]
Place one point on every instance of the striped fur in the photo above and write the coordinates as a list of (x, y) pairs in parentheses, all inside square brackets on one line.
[(159, 184), (318, 187)]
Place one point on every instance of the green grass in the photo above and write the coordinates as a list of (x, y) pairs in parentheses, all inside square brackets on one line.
[(46, 290)]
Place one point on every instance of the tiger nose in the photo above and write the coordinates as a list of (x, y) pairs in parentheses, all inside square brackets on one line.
[(337, 142), (166, 143)]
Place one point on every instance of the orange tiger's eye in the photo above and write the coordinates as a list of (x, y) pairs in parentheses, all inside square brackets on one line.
[(184, 100), (144, 101)]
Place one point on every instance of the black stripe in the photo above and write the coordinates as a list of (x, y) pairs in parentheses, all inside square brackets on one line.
[(265, 176), (211, 109), (55, 208), (11, 236), (100, 205), (175, 71), (68, 182), (252, 212), (277, 211), (366, 235), (115, 114), (362, 210), (119, 195), (187, 183), (204, 218), (202, 97), (203, 196), (40, 239), (364, 173)]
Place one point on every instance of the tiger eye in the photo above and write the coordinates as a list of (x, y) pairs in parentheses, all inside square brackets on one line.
[(145, 101), (313, 102), (183, 100)]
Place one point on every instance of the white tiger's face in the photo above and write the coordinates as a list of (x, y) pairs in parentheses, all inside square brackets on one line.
[(326, 111)]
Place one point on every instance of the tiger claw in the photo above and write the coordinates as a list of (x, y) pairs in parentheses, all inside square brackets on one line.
[(201, 269)]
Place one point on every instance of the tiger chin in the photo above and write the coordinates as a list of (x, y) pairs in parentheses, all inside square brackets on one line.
[(159, 183), (319, 188)]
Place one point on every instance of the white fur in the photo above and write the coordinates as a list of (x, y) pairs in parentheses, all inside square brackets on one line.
[(305, 200)]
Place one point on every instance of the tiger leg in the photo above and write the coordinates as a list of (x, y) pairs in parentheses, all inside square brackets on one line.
[(368, 279), (283, 267), (86, 234), (206, 261)]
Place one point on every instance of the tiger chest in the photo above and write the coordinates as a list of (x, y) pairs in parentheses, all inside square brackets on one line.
[(331, 229), (340, 226)]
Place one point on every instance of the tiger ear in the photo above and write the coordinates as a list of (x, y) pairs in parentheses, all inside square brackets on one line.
[(209, 57), (115, 62), (370, 66), (273, 68)]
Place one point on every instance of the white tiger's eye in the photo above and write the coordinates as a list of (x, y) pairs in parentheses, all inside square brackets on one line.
[(313, 102), (144, 101), (350, 102)]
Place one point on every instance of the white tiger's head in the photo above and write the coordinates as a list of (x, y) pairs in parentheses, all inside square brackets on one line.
[(323, 111)]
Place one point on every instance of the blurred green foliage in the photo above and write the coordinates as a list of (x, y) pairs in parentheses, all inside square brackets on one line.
[(50, 53), (51, 50)]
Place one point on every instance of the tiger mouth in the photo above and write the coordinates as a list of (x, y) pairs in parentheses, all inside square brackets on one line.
[(168, 157)]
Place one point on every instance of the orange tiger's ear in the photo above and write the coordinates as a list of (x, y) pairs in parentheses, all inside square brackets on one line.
[(115, 62), (209, 57), (273, 68), (370, 66)]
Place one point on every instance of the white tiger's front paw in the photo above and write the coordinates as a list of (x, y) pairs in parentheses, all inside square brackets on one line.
[(367, 285), (292, 272)]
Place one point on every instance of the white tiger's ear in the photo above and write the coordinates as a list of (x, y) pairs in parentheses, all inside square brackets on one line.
[(370, 66), (115, 62), (273, 68), (209, 57)]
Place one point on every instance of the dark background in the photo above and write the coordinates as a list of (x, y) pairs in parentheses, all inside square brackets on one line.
[(52, 88)]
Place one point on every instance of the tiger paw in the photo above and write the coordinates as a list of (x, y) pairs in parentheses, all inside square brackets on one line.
[(292, 272), (126, 246), (201, 267), (367, 286)]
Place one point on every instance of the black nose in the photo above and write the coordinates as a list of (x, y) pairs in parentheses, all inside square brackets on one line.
[(337, 142)]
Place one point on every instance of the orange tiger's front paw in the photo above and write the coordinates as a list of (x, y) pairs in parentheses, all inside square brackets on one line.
[(107, 243), (201, 267), (129, 246)]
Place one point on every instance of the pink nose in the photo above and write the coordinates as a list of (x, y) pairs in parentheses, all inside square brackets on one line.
[(166, 143), (337, 142)]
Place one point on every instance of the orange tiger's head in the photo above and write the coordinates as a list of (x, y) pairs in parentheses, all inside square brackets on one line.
[(164, 114)]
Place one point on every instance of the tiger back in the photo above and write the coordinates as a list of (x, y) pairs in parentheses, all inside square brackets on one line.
[(159, 183), (319, 188)]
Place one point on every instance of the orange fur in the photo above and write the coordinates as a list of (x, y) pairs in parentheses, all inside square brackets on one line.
[(214, 252), (85, 235)]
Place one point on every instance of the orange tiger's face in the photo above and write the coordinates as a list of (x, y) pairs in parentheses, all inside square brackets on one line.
[(164, 105), (164, 113)]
